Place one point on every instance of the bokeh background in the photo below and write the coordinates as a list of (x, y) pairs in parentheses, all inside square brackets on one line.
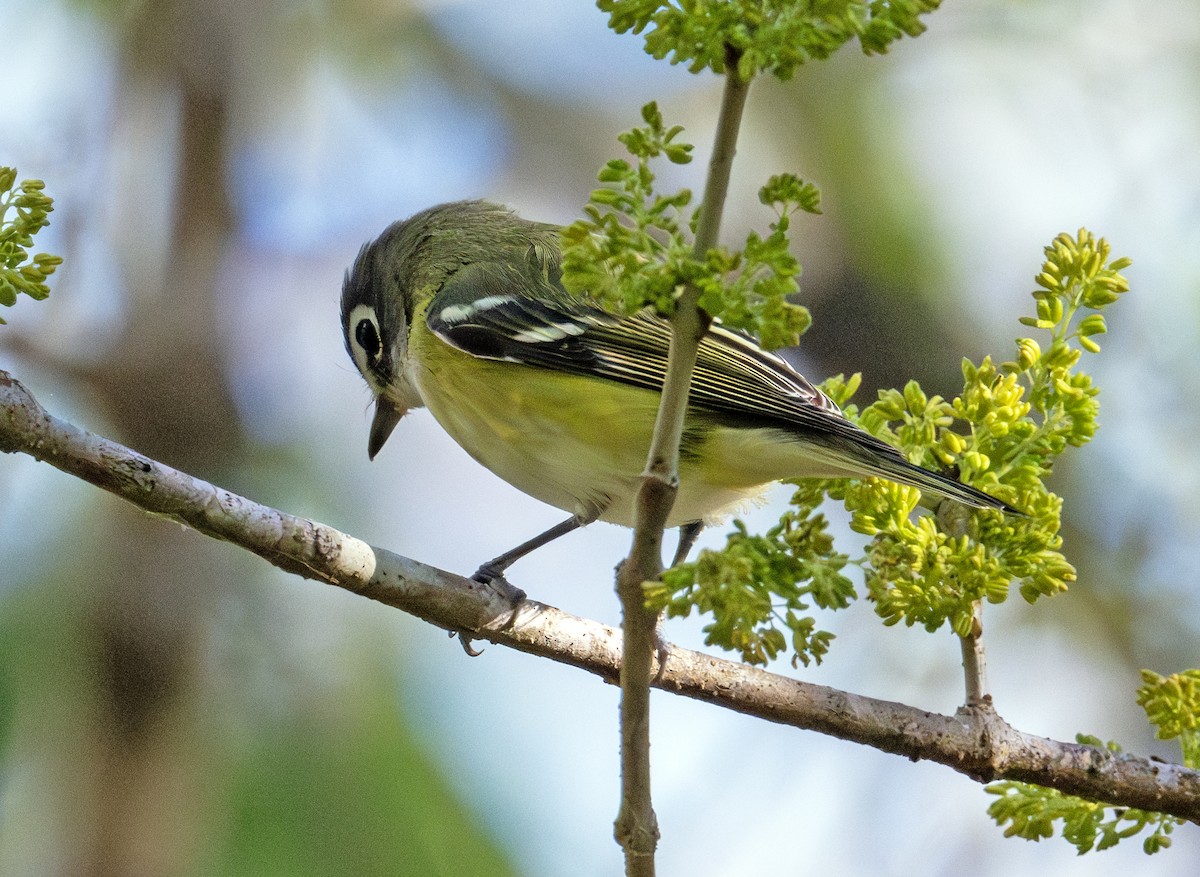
[(172, 706)]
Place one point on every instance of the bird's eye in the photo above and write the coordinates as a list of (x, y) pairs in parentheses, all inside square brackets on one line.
[(367, 336)]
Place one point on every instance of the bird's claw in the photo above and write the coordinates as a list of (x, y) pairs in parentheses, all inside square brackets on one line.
[(465, 640)]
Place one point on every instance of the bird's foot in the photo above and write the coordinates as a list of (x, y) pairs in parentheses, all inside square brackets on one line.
[(493, 577)]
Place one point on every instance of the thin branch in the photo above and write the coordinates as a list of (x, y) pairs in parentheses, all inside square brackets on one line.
[(688, 322), (636, 827), (974, 659), (720, 164), (974, 742)]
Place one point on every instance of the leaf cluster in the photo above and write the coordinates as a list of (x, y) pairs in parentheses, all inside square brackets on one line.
[(631, 251), (750, 290), (1172, 704), (758, 587), (1032, 812), (634, 247), (30, 206), (1002, 434), (763, 36)]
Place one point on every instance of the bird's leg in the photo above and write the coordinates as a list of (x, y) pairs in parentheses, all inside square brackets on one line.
[(688, 534), (492, 572)]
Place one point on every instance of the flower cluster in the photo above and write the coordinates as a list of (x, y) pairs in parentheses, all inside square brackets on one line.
[(30, 207)]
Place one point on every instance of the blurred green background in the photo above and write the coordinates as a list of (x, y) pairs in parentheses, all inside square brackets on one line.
[(172, 706)]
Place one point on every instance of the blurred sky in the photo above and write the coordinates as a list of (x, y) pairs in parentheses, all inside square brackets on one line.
[(1006, 123)]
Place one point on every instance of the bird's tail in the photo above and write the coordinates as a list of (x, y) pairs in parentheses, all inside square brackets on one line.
[(905, 472), (876, 457)]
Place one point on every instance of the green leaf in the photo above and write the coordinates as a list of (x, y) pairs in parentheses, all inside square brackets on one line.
[(763, 36), (1172, 704), (759, 588), (20, 272), (1032, 812), (1002, 434), (635, 249)]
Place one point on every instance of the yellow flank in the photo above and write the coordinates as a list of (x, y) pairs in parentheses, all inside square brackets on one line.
[(580, 443)]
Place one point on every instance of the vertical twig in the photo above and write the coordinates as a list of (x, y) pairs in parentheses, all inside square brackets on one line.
[(636, 827), (975, 661)]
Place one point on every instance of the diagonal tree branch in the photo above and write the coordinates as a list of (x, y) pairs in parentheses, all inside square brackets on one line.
[(975, 742)]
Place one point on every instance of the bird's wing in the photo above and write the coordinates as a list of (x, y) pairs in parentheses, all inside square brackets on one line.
[(487, 310), (518, 312)]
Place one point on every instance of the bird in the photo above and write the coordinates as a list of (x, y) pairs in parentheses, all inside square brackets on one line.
[(461, 309)]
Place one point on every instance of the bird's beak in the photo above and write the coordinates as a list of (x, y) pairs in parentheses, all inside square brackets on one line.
[(386, 417)]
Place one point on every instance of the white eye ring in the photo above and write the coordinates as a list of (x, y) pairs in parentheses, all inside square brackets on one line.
[(366, 342)]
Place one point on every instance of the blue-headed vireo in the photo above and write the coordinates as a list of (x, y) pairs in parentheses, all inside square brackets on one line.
[(461, 309)]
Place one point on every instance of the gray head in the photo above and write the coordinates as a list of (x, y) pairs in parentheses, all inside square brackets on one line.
[(394, 274)]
